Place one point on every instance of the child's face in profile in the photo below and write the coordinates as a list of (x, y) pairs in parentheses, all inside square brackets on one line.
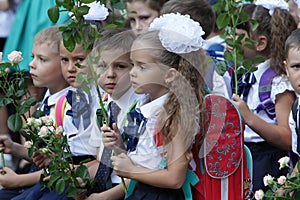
[(45, 68), (114, 67), (140, 16), (69, 61), (147, 76), (292, 66)]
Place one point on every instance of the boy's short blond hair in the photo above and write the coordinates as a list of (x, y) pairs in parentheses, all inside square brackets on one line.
[(50, 35), (113, 39)]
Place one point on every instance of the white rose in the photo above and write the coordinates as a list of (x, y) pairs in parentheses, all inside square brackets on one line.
[(97, 12), (59, 130), (37, 122), (268, 179), (15, 57), (283, 162), (259, 194), (47, 120), (30, 121), (281, 180), (43, 131)]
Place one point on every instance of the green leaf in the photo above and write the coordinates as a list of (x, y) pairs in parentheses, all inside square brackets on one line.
[(81, 77), (53, 14), (69, 44), (110, 26), (37, 114), (30, 152), (258, 59), (67, 34), (221, 68), (60, 186), (54, 177), (254, 24), (14, 122), (59, 2), (71, 192), (83, 10), (82, 171), (119, 5), (77, 38), (249, 46), (87, 1), (222, 20)]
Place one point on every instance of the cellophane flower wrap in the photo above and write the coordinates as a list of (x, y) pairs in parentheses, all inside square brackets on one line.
[(178, 33)]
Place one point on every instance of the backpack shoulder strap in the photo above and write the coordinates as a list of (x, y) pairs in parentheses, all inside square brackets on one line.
[(59, 110), (264, 93)]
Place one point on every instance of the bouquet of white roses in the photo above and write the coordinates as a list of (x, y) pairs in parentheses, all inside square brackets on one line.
[(284, 187), (42, 135), (15, 91)]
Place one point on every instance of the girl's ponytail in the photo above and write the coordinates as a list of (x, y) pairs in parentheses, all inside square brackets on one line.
[(282, 25)]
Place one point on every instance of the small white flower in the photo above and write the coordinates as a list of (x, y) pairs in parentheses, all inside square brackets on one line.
[(271, 5), (47, 120), (59, 130), (37, 122), (283, 162), (43, 131), (281, 180), (259, 194), (30, 121), (268, 179), (97, 12), (178, 33), (28, 144)]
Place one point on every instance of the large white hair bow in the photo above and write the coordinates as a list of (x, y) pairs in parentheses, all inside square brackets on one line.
[(272, 4), (178, 33)]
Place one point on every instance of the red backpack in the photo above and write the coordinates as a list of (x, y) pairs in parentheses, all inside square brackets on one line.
[(223, 163)]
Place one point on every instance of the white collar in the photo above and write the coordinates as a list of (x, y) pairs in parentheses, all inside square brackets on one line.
[(262, 67), (153, 107), (126, 100), (54, 97)]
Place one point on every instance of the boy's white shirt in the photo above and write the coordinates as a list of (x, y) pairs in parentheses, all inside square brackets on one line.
[(293, 125), (124, 102), (79, 144)]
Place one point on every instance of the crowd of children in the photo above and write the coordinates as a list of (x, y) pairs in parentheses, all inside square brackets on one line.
[(154, 77)]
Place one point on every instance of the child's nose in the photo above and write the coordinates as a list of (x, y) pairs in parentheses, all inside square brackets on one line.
[(138, 25), (71, 67), (110, 72), (31, 64), (131, 73)]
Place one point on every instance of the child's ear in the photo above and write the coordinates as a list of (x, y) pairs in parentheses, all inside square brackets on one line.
[(170, 75), (262, 43)]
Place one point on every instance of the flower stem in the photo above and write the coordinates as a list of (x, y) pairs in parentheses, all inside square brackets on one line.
[(2, 159), (94, 75), (122, 179)]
